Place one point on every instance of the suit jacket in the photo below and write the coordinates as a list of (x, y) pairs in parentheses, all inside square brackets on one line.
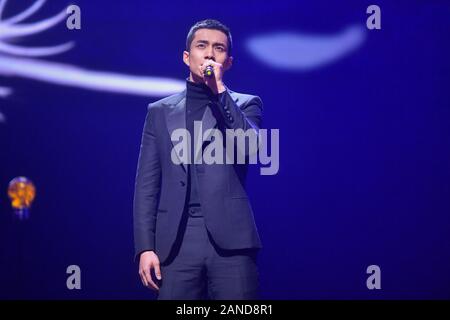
[(161, 185)]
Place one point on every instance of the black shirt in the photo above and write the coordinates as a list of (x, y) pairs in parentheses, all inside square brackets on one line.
[(198, 96)]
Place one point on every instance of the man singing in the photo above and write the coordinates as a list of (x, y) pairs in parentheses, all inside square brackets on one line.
[(195, 234)]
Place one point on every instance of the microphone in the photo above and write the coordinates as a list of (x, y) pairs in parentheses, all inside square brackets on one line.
[(209, 71)]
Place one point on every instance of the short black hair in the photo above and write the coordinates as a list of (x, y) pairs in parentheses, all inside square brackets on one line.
[(209, 24)]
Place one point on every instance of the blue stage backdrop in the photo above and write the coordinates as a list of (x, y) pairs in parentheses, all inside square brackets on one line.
[(363, 116)]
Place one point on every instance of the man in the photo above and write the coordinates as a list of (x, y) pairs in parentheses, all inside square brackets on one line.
[(193, 224)]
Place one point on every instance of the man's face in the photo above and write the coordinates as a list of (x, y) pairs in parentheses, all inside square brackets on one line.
[(208, 44)]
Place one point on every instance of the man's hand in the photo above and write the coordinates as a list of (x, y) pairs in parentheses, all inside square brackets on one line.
[(215, 82), (149, 261)]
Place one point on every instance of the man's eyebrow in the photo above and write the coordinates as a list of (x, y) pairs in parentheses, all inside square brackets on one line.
[(214, 44)]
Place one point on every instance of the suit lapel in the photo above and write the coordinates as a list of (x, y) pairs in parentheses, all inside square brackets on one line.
[(176, 117)]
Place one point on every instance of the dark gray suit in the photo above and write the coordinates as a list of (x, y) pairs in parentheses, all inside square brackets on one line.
[(160, 190)]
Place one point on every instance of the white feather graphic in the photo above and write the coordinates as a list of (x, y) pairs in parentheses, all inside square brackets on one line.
[(293, 51)]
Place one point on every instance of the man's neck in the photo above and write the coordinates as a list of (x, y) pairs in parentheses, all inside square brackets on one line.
[(195, 79)]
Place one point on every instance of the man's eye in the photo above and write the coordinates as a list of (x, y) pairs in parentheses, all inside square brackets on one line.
[(220, 48), (201, 45)]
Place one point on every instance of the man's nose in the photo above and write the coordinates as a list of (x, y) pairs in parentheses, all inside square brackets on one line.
[(209, 54)]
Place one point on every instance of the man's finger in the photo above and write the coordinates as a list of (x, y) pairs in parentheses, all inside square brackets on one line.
[(149, 279), (144, 282), (201, 72)]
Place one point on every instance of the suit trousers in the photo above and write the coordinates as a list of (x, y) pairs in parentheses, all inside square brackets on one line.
[(197, 269)]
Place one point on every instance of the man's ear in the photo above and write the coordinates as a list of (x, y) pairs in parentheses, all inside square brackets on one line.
[(186, 58), (228, 63)]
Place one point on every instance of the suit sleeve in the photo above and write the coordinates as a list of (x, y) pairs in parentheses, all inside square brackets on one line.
[(147, 188), (247, 117)]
